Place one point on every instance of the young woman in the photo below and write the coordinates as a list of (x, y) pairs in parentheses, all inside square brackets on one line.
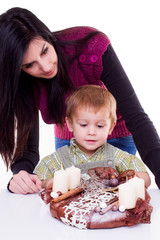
[(38, 70)]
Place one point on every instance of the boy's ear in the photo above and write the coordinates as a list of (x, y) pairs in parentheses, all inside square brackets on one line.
[(69, 124), (111, 128)]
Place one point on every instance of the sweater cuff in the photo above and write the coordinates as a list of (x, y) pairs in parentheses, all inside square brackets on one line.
[(152, 161), (157, 179), (8, 186), (23, 165)]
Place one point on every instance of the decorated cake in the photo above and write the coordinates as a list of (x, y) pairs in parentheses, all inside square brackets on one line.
[(102, 201)]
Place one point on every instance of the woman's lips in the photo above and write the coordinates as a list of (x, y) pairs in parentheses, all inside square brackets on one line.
[(49, 73)]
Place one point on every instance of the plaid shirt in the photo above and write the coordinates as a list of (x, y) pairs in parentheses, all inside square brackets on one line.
[(123, 161)]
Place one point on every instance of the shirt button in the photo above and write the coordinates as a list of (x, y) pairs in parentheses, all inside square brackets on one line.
[(109, 163), (94, 58), (82, 58)]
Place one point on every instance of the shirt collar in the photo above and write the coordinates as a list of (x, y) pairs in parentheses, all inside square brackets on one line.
[(74, 147)]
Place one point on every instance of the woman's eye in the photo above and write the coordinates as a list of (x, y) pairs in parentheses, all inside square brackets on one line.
[(29, 65), (45, 50)]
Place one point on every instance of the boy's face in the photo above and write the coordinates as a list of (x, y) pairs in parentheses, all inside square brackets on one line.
[(90, 128)]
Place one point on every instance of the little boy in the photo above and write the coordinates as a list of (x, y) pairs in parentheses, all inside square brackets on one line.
[(91, 116)]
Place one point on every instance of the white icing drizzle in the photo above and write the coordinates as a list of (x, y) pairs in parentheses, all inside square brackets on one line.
[(76, 212)]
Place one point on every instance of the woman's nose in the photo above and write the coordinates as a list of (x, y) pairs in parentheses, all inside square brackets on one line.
[(44, 66)]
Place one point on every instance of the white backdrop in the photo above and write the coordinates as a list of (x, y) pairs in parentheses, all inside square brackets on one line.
[(133, 28)]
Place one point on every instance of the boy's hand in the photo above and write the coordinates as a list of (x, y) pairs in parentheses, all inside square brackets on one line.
[(145, 176), (24, 183), (48, 183)]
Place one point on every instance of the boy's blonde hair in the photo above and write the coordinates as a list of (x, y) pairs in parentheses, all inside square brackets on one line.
[(91, 96)]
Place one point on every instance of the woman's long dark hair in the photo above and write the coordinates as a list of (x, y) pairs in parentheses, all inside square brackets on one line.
[(18, 110)]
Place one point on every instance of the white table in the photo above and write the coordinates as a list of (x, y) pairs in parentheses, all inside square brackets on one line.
[(26, 217)]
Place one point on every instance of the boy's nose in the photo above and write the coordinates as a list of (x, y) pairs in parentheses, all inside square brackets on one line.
[(91, 130)]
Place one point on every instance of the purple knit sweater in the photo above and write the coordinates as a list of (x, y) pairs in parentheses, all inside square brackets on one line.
[(87, 69)]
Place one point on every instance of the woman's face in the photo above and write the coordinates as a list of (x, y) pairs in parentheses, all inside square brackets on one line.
[(40, 60)]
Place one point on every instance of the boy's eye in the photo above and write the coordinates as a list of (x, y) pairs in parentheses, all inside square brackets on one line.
[(83, 125), (100, 126)]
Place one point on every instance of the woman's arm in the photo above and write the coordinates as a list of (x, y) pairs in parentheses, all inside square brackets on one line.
[(138, 123), (30, 156), (23, 181)]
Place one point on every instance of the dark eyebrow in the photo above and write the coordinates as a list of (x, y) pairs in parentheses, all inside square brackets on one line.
[(23, 65)]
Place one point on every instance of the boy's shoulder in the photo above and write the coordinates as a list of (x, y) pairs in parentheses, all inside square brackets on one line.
[(118, 152), (110, 147)]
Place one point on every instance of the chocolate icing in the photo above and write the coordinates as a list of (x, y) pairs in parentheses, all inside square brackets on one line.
[(79, 211)]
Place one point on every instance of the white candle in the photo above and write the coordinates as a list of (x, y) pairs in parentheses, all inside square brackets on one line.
[(127, 196), (74, 176), (139, 185), (130, 191), (61, 181)]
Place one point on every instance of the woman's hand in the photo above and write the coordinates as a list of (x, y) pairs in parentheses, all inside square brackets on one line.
[(24, 183)]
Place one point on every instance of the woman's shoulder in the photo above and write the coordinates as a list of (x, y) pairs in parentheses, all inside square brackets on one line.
[(78, 32), (73, 33)]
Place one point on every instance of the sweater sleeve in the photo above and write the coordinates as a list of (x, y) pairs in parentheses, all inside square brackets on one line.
[(31, 154), (137, 121)]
